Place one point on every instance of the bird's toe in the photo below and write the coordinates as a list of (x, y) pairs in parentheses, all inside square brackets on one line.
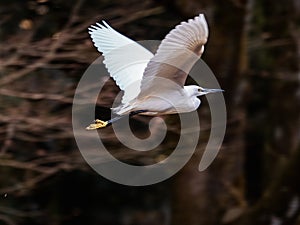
[(98, 124)]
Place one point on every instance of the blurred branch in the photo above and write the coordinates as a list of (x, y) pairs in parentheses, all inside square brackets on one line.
[(36, 96), (139, 14), (6, 220), (18, 213), (10, 130), (58, 163), (65, 35)]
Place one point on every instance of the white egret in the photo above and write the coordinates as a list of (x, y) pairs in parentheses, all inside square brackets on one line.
[(141, 76)]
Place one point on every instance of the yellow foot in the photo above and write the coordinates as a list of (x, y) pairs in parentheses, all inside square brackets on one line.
[(97, 124)]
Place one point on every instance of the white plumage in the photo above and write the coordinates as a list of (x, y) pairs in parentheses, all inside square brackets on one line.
[(153, 83), (125, 59)]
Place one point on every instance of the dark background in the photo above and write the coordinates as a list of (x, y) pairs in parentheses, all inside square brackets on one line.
[(253, 49)]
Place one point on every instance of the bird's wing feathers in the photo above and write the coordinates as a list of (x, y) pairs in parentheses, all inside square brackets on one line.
[(124, 59), (177, 53)]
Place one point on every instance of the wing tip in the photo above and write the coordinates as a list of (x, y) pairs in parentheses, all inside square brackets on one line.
[(106, 24), (199, 18), (98, 26)]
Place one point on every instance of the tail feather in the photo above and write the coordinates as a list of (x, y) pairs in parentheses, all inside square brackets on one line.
[(122, 109)]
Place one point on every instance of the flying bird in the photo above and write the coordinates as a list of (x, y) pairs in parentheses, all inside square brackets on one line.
[(153, 84)]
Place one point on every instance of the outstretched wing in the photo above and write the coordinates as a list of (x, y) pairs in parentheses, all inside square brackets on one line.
[(176, 54), (124, 59)]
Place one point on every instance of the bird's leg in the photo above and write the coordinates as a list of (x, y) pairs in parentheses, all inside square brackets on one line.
[(101, 124), (136, 112)]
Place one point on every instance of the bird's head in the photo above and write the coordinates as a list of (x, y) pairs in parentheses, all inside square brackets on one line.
[(195, 90)]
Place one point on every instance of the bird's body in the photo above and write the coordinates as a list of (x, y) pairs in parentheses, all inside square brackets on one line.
[(153, 84), (186, 101)]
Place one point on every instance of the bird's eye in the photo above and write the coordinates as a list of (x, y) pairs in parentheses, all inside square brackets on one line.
[(199, 89)]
